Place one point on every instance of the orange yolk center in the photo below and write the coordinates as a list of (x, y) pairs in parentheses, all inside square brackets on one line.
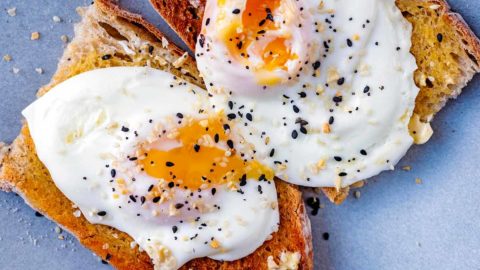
[(256, 20), (199, 160)]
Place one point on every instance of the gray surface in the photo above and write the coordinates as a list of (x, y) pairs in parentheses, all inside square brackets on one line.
[(396, 224)]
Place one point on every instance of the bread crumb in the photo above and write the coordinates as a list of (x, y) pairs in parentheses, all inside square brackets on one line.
[(356, 194), (358, 184), (7, 58), (15, 70), (56, 19), (12, 12), (77, 213), (407, 168), (61, 237), (164, 42), (420, 131), (39, 70), (58, 230), (215, 244), (35, 36), (418, 181), (288, 261), (133, 244), (64, 38), (181, 60), (326, 128)]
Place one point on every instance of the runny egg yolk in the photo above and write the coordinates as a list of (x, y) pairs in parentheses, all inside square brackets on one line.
[(252, 32), (200, 161)]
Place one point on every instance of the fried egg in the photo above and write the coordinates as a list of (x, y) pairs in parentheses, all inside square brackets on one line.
[(140, 150), (323, 93)]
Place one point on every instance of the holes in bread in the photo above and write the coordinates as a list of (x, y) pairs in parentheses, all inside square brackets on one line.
[(123, 57), (407, 14), (112, 31), (472, 57), (429, 83)]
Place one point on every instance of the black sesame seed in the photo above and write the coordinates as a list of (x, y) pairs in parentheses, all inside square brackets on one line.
[(169, 164), (337, 99), (156, 199), (216, 138), (38, 214), (272, 152), (326, 236), (302, 94), (132, 198), (171, 184), (349, 43), (259, 188), (341, 81), (439, 37), (249, 117), (342, 174), (316, 65), (106, 56), (231, 116), (196, 147), (337, 158), (113, 173), (174, 229), (294, 134), (207, 22), (178, 205), (270, 17), (366, 89), (363, 152), (102, 213), (214, 190), (243, 180), (230, 144), (303, 130), (296, 109), (125, 129), (179, 115), (236, 11), (331, 120)]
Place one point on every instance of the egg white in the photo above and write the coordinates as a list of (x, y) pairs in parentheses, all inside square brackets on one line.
[(80, 133)]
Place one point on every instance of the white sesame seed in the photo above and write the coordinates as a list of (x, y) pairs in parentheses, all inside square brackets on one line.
[(12, 12)]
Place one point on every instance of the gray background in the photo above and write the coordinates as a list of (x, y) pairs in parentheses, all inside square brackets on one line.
[(395, 224)]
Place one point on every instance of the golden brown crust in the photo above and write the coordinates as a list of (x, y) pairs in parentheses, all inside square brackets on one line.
[(22, 171), (432, 96), (183, 16)]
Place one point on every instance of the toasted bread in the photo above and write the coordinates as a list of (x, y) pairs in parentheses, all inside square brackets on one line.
[(446, 50), (128, 40)]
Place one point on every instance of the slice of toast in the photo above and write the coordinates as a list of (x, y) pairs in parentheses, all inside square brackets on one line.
[(446, 50), (109, 36)]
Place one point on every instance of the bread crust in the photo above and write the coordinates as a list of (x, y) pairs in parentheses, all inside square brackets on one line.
[(188, 26), (22, 172)]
